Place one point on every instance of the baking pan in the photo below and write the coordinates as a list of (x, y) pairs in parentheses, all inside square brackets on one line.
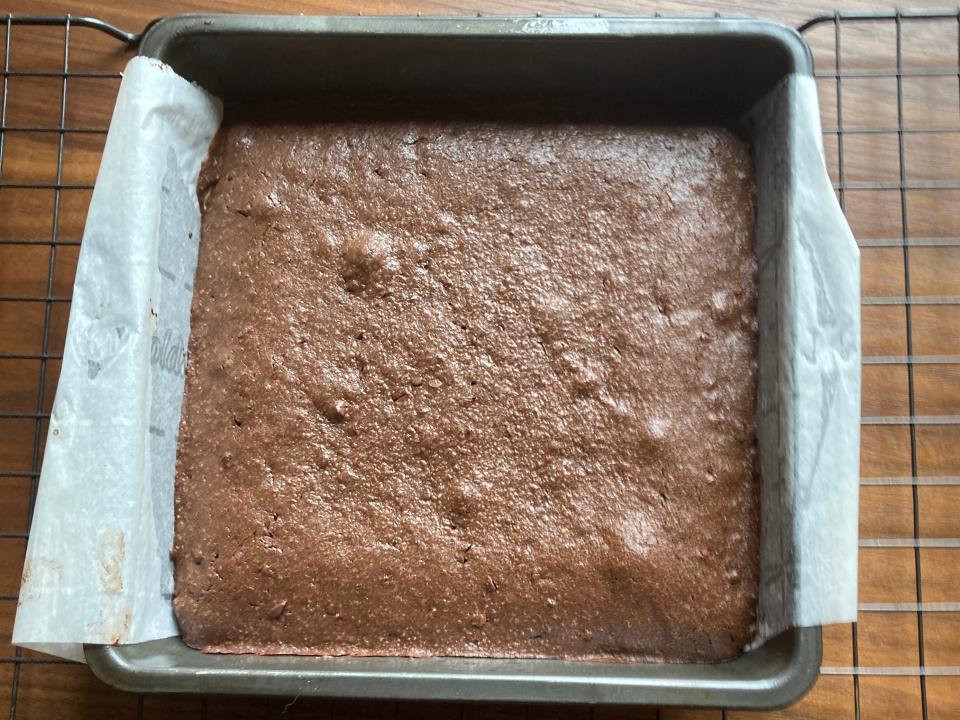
[(703, 68)]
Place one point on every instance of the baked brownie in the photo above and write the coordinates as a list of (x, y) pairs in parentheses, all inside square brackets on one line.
[(472, 388)]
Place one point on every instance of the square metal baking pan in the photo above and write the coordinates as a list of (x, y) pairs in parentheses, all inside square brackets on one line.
[(703, 68)]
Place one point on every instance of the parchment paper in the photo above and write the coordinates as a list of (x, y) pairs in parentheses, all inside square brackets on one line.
[(808, 410), (97, 567)]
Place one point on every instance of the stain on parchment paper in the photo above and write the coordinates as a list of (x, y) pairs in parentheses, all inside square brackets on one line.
[(125, 622), (38, 572), (112, 626), (110, 550)]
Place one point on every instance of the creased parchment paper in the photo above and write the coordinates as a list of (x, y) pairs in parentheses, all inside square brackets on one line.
[(97, 567), (808, 405)]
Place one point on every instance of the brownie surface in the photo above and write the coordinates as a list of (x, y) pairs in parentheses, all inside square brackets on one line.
[(471, 388)]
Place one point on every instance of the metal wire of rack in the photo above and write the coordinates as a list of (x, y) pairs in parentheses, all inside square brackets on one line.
[(834, 40)]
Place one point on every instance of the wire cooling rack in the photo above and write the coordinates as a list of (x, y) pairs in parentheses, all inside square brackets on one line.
[(900, 204), (889, 87)]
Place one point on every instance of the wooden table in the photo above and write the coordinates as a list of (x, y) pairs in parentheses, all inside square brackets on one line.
[(910, 495)]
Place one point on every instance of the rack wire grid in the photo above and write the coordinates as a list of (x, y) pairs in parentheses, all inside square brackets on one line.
[(889, 86)]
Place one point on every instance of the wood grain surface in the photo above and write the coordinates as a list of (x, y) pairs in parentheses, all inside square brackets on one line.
[(896, 510)]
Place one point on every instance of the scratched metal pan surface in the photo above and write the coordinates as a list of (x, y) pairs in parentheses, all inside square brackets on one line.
[(701, 68)]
